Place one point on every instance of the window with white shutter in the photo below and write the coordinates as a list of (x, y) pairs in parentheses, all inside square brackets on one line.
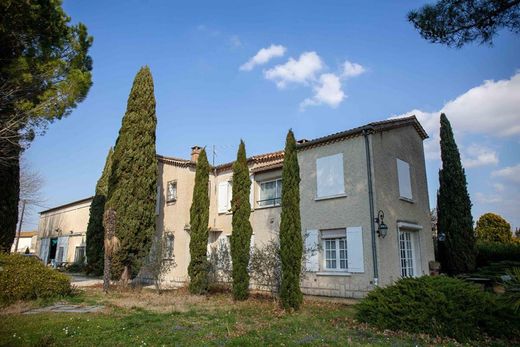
[(404, 179), (355, 249), (222, 197), (330, 176)]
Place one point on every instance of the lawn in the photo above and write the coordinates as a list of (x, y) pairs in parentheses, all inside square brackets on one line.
[(145, 318)]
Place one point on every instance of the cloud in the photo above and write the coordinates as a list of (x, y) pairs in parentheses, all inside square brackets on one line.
[(491, 108), (234, 41), (263, 56), (302, 70), (510, 173), (477, 155), (327, 91), (352, 69), (488, 198)]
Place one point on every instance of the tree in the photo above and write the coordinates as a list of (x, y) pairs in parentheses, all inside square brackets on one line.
[(457, 22), (291, 242), (493, 228), (132, 186), (199, 220), (45, 72), (242, 230), (454, 218), (95, 230), (157, 264)]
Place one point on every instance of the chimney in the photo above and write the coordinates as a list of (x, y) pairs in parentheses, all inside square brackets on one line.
[(195, 151), (302, 141)]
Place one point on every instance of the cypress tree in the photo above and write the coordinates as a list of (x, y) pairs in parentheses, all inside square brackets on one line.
[(458, 251), (95, 230), (199, 219), (291, 242), (242, 231), (132, 187), (9, 194)]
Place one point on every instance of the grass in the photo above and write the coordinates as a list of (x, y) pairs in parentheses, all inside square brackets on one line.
[(177, 318)]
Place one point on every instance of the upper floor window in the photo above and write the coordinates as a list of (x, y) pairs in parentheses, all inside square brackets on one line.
[(270, 193), (172, 191), (329, 174), (405, 183)]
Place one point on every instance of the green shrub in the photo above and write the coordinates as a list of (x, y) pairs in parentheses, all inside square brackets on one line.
[(439, 306), (26, 278), (491, 252)]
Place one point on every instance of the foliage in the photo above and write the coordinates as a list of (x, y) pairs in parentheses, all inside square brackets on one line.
[(157, 264), (490, 252), (199, 221), (439, 306), (220, 269), (457, 22), (95, 230), (45, 71), (291, 243), (76, 267), (242, 230), (26, 278), (493, 228), (457, 252), (512, 286), (132, 187), (495, 271)]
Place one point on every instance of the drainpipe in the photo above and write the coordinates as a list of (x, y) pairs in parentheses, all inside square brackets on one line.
[(371, 204)]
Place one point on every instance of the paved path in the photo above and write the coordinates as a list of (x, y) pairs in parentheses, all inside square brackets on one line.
[(66, 308), (80, 280)]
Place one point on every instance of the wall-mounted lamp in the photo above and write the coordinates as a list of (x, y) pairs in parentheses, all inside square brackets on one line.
[(441, 237), (382, 229)]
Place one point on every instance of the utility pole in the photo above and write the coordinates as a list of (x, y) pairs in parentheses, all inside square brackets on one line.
[(19, 226)]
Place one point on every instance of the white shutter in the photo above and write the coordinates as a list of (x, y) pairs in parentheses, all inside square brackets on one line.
[(330, 177), (44, 249), (403, 174), (63, 241), (252, 192), (222, 197), (311, 248), (355, 249)]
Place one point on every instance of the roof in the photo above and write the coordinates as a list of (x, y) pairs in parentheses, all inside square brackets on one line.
[(266, 158), (77, 202), (175, 161), (371, 128), (27, 233)]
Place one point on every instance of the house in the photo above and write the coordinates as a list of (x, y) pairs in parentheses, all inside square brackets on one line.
[(26, 240), (62, 232), (353, 184)]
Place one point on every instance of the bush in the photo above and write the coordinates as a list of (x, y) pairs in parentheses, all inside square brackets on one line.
[(439, 306), (26, 278), (491, 252)]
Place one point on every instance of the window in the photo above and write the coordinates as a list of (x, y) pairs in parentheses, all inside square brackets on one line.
[(79, 255), (403, 175), (270, 193), (330, 178), (406, 251), (172, 191), (225, 192), (335, 250), (60, 254), (169, 246)]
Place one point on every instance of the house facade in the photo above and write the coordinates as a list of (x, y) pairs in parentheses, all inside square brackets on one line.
[(348, 179), (26, 241)]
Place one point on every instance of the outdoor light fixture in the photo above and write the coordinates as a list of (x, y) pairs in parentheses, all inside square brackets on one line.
[(382, 229), (441, 237)]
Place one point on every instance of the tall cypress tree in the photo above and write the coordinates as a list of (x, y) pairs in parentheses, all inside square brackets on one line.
[(454, 218), (242, 231), (199, 219), (9, 194), (291, 242), (132, 190), (95, 230)]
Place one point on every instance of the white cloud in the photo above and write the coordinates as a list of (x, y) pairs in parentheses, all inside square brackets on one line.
[(302, 70), (499, 187), (510, 173), (263, 56), (477, 155), (493, 108), (327, 91), (352, 69), (488, 198)]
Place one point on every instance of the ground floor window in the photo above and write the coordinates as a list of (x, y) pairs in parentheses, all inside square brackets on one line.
[(406, 252), (79, 255), (334, 243), (60, 255)]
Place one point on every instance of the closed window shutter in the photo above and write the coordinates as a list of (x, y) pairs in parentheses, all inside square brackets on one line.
[(330, 176), (403, 174), (311, 248), (355, 249), (222, 197), (252, 192)]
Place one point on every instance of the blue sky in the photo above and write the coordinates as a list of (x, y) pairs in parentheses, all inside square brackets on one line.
[(196, 50)]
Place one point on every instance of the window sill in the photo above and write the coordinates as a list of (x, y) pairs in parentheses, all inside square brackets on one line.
[(169, 202), (406, 199), (333, 273), (319, 198), (264, 207)]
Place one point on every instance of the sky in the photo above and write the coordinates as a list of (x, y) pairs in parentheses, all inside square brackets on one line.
[(230, 70)]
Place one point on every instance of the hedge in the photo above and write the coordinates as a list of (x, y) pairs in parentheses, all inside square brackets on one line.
[(26, 278), (492, 252)]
